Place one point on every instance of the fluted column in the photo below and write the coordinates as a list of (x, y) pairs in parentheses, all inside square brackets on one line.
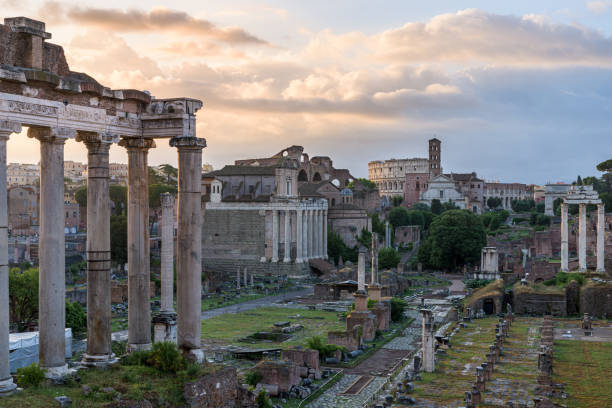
[(582, 232), (298, 237), (325, 234), (99, 352), (361, 271), (139, 306), (275, 235), (51, 250), (287, 236), (167, 253), (564, 239), (305, 235), (601, 227), (7, 386), (310, 234), (189, 245), (320, 227)]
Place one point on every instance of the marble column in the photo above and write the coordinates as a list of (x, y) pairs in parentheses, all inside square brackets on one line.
[(325, 235), (582, 232), (7, 386), (361, 270), (601, 236), (374, 278), (275, 236), (305, 256), (298, 237), (287, 236), (309, 233), (99, 352), (167, 253), (139, 306), (315, 234), (428, 342), (238, 279), (189, 245), (51, 250), (246, 278), (320, 230), (564, 239)]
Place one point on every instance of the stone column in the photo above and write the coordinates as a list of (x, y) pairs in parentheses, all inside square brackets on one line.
[(428, 341), (238, 279), (320, 229), (51, 250), (7, 386), (325, 234), (274, 235), (246, 279), (305, 254), (298, 237), (167, 253), (564, 239), (309, 233), (189, 245), (582, 232), (287, 236), (601, 227), (361, 271), (139, 306), (99, 352), (374, 278)]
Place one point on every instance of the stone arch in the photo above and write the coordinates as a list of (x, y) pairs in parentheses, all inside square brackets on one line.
[(316, 177), (488, 305), (302, 176)]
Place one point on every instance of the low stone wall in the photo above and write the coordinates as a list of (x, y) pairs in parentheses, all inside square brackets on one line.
[(303, 358), (281, 374), (220, 389), (596, 299), (349, 339), (540, 303)]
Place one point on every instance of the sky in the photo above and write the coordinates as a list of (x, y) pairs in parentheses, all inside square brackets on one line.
[(516, 91)]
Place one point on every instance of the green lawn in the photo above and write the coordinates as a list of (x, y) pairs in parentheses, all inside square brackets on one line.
[(229, 328), (586, 369)]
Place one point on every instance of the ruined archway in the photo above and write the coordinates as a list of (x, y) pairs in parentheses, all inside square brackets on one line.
[(316, 177), (302, 176), (488, 305)]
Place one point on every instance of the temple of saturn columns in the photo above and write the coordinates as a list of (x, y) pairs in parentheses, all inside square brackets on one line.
[(39, 92), (582, 196)]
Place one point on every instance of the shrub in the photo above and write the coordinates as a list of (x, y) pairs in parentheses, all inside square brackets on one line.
[(262, 400), (166, 357), (31, 376), (397, 309), (325, 350), (76, 318), (388, 258), (253, 378), (477, 283), (562, 279), (136, 358)]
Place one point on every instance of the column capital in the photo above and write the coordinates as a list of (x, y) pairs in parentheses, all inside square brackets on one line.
[(7, 127), (96, 138), (57, 135), (137, 143), (188, 143), (167, 200)]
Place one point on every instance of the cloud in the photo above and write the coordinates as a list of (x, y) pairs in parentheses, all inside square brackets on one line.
[(599, 7), (158, 19)]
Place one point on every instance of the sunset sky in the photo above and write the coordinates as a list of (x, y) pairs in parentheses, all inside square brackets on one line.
[(515, 91)]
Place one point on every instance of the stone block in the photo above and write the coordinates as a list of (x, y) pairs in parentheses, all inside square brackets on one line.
[(285, 374), (220, 389)]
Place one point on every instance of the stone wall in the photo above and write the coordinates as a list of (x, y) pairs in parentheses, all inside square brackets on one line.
[(349, 339), (284, 374), (596, 299), (220, 389), (119, 291), (528, 302), (233, 234), (229, 266)]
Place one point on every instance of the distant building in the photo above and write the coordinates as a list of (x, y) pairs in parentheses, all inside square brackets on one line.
[(118, 173), (506, 192), (22, 207), (22, 174), (73, 217), (407, 234), (443, 188), (415, 184), (539, 193), (472, 189), (207, 168)]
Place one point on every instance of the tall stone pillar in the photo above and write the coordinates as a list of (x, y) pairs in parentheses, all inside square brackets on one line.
[(361, 271), (246, 278), (238, 279), (139, 306), (189, 245), (601, 227), (305, 254), (7, 386), (428, 342), (320, 229), (287, 236), (374, 278), (310, 233), (582, 232), (564, 239), (325, 234), (298, 236), (51, 250), (99, 352), (274, 235), (165, 320)]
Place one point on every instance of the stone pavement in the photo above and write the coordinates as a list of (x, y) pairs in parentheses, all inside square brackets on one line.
[(332, 398)]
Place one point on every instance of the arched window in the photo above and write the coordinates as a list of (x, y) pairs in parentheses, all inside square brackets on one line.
[(316, 177), (302, 176)]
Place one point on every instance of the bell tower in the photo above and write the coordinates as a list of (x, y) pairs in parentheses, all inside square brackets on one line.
[(435, 168)]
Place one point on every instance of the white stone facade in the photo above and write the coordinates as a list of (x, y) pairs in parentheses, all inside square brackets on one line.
[(443, 188)]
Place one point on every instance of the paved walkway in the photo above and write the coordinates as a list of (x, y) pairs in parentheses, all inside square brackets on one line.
[(240, 307)]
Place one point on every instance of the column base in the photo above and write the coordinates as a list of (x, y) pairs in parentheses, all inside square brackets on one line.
[(274, 260), (299, 260), (564, 269), (195, 355), (57, 373), (99, 360), (286, 260), (7, 387), (600, 270), (262, 259), (582, 270), (131, 347)]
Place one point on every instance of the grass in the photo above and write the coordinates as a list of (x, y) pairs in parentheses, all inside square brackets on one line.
[(586, 369), (538, 288), (230, 328), (133, 382), (215, 302)]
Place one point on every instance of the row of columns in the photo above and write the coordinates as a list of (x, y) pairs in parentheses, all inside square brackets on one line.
[(582, 238), (310, 237), (52, 248)]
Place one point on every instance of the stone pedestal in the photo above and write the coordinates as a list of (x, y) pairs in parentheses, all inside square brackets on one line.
[(428, 341), (51, 250), (99, 351), (374, 292), (189, 241), (164, 327), (7, 386), (382, 311), (139, 307), (362, 316)]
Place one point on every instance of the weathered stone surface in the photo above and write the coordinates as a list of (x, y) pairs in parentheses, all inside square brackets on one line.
[(220, 389), (285, 374)]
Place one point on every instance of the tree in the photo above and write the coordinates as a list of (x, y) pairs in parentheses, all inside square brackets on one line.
[(522, 205), (398, 305), (455, 238), (170, 172), (23, 297), (420, 207), (336, 248), (388, 258), (118, 195), (436, 206), (494, 202), (365, 238), (80, 195), (155, 177), (579, 180), (396, 201), (118, 232), (449, 205), (540, 207), (155, 190), (367, 184), (377, 225), (399, 216), (605, 166), (76, 318)]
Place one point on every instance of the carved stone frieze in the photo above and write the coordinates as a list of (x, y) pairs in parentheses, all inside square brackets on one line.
[(31, 108), (139, 143), (8, 126), (51, 134)]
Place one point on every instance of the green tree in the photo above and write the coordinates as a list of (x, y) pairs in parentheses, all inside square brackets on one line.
[(396, 200), (522, 205), (398, 216), (155, 177), (369, 185), (420, 207), (118, 231), (336, 248), (494, 202), (436, 206), (155, 191), (80, 195), (170, 172), (579, 180), (118, 195), (377, 225), (398, 305), (388, 258), (23, 297), (449, 205), (365, 238), (455, 238), (540, 207), (76, 318)]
